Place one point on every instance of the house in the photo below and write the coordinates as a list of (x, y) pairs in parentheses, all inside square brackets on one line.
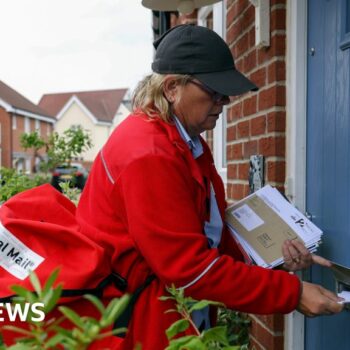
[(297, 52), (18, 115), (98, 112)]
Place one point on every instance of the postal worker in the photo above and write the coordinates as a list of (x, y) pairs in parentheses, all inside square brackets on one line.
[(156, 203)]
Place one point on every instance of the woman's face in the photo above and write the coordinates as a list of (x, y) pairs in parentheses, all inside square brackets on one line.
[(196, 106)]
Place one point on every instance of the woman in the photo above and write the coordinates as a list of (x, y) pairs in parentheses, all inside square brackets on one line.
[(156, 203)]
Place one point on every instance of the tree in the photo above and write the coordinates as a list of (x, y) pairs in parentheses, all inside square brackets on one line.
[(59, 148)]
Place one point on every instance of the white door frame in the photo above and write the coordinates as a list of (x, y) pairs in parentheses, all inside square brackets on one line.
[(296, 92), (219, 134)]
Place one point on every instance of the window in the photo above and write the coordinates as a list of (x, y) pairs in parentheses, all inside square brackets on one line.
[(14, 122), (26, 124), (37, 126)]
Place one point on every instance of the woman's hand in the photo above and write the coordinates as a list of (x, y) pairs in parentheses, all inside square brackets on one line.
[(316, 300), (297, 257)]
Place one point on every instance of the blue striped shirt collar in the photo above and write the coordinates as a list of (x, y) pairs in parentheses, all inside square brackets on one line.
[(193, 143)]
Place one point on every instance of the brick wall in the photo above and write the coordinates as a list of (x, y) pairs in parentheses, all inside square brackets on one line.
[(256, 122), (5, 139), (45, 128)]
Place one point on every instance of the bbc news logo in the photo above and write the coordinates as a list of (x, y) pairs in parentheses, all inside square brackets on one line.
[(20, 312)]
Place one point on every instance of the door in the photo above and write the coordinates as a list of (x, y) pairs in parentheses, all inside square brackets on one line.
[(328, 155)]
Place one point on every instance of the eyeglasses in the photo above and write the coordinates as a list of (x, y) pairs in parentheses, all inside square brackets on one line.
[(215, 96)]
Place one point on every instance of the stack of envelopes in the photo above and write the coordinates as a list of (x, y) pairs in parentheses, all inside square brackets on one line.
[(261, 222)]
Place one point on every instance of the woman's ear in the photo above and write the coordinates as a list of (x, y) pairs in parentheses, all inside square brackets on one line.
[(170, 88)]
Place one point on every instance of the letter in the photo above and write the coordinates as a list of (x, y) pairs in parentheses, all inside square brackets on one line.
[(3, 246), (19, 260), (40, 313), (12, 253), (17, 309)]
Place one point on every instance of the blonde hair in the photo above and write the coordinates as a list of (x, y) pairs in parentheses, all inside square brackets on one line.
[(149, 98)]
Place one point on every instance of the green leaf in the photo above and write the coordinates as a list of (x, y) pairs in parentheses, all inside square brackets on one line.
[(18, 330), (114, 310), (216, 334), (185, 343), (19, 290), (55, 340), (72, 316), (51, 298), (193, 344), (35, 282), (21, 347), (176, 328), (170, 310), (164, 298), (202, 304), (51, 280), (97, 302)]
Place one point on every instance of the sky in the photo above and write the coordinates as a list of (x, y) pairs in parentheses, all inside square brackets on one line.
[(50, 46)]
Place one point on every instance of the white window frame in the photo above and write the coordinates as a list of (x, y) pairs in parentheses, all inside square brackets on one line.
[(26, 125), (37, 126), (219, 133), (14, 122), (296, 89)]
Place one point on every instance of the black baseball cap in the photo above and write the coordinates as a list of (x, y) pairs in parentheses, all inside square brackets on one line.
[(202, 53)]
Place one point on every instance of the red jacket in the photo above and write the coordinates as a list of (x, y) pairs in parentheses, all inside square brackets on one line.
[(146, 202)]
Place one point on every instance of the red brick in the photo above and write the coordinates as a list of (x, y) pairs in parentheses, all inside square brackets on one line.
[(249, 105), (272, 146), (239, 64), (231, 14), (272, 97), (231, 133), (242, 45), (243, 170), (233, 33), (250, 61), (243, 129), (251, 36), (229, 3), (275, 323), (277, 2), (246, 190), (232, 171), (259, 77), (210, 139), (278, 19), (265, 338), (242, 5), (276, 171), (236, 30), (250, 148), (276, 121), (237, 191), (277, 48), (6, 146), (235, 112), (276, 71), (253, 345), (258, 125), (229, 191), (237, 153), (248, 17)]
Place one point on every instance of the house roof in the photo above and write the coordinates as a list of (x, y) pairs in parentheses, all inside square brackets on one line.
[(103, 104), (19, 102)]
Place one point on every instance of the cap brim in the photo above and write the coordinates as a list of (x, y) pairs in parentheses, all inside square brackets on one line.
[(229, 82)]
